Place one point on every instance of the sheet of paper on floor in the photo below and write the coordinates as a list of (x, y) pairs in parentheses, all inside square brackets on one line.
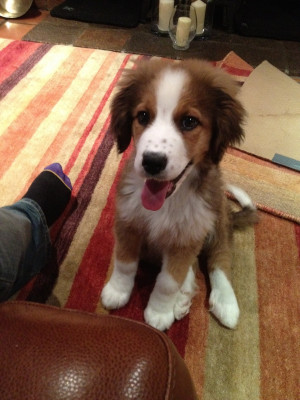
[(272, 101)]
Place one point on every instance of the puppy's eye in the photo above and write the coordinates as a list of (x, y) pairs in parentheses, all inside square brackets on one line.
[(143, 118), (189, 123)]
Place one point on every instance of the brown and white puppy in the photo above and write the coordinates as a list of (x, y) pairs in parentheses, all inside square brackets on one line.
[(182, 117)]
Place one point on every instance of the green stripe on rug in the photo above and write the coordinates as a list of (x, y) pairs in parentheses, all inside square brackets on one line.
[(232, 362)]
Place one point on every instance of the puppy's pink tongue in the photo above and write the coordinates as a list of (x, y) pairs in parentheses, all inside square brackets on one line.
[(154, 194)]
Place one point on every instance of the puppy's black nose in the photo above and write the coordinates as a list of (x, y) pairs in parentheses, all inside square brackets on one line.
[(154, 163)]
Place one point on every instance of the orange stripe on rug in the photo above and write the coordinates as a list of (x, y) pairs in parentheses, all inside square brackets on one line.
[(22, 129), (273, 188), (68, 126), (278, 287), (260, 161), (95, 116)]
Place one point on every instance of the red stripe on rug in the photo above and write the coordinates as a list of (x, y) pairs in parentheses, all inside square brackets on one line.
[(80, 179), (66, 129), (83, 199), (134, 309), (85, 183), (278, 287), (179, 333), (91, 274), (77, 184), (144, 283), (14, 55), (95, 117), (24, 127), (66, 228), (25, 291), (16, 76), (236, 71)]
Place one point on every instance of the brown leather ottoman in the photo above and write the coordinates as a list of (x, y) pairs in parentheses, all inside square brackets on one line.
[(48, 353)]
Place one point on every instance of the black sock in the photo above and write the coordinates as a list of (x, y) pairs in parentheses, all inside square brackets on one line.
[(51, 189)]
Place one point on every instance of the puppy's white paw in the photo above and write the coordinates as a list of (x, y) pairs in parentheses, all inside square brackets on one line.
[(159, 320), (112, 298), (182, 305), (225, 307), (222, 300)]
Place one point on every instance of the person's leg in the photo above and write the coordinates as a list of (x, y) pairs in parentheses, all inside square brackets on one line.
[(24, 234), (24, 245)]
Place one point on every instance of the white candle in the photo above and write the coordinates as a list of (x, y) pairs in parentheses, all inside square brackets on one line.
[(200, 8), (183, 31), (166, 8)]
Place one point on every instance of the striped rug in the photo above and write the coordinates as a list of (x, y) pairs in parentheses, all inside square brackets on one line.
[(54, 106)]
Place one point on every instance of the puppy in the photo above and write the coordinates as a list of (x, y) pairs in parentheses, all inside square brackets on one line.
[(182, 117)]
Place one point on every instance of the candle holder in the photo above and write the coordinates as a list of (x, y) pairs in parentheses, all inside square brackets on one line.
[(205, 15), (160, 17), (182, 26)]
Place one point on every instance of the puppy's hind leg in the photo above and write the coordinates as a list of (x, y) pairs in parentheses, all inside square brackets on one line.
[(222, 300), (117, 290)]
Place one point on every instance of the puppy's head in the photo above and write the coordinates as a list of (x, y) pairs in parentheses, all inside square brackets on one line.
[(179, 115), (200, 89)]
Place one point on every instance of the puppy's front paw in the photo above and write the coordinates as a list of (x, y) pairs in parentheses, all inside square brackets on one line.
[(225, 307), (112, 298), (159, 320)]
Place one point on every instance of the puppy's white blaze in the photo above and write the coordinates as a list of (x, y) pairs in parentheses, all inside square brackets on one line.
[(169, 89), (162, 135), (241, 196), (222, 299)]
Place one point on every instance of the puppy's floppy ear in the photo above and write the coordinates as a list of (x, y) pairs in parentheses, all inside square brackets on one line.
[(121, 111), (227, 124)]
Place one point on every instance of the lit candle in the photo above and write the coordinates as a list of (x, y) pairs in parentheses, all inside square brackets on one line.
[(183, 31), (166, 8), (200, 8)]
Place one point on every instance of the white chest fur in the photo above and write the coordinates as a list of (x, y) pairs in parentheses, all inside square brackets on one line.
[(184, 218)]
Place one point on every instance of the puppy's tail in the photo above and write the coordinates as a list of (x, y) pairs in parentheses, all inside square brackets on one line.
[(248, 214)]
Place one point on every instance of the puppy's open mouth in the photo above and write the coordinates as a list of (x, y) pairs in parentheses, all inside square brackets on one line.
[(155, 192)]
